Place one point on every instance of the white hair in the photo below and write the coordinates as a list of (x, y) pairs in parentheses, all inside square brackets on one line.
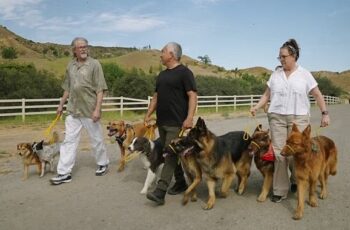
[(176, 49)]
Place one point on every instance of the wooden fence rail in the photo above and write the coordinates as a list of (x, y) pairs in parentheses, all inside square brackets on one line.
[(26, 107)]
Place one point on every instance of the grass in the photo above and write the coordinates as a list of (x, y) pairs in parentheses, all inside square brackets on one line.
[(131, 116)]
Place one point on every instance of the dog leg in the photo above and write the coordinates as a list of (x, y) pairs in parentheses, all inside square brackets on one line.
[(42, 168), (25, 172), (301, 193), (190, 191), (268, 178), (122, 159), (211, 188), (323, 181), (312, 193), (226, 184), (149, 179)]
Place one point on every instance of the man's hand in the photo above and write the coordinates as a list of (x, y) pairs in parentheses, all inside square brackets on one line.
[(96, 115)]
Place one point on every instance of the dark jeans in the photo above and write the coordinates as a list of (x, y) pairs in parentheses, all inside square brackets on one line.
[(172, 164)]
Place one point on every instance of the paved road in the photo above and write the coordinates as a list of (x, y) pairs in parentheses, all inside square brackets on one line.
[(113, 201)]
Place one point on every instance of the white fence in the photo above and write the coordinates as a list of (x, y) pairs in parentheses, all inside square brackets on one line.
[(26, 107)]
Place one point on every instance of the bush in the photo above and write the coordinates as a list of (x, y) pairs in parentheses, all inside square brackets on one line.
[(9, 53)]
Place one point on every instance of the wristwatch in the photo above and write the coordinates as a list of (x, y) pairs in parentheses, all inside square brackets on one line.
[(325, 112)]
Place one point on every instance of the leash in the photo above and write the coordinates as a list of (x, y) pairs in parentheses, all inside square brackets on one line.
[(248, 127), (48, 131)]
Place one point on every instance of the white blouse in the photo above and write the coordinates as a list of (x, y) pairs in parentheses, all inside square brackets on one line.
[(289, 96)]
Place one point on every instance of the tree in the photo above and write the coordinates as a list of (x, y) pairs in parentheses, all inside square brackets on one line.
[(9, 53), (205, 59)]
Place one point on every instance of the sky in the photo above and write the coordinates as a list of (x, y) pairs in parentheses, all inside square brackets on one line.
[(233, 33)]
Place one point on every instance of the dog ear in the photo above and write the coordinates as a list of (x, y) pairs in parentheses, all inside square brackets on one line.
[(258, 128), (295, 128), (307, 131)]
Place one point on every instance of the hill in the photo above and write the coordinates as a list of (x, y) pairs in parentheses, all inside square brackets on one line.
[(54, 58)]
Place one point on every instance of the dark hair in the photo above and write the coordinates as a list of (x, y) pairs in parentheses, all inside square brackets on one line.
[(293, 47)]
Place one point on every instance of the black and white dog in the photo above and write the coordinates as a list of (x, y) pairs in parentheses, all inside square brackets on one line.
[(151, 156), (47, 153)]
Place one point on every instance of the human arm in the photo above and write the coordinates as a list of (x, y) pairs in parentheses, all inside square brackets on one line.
[(96, 114), (64, 98), (263, 100), (316, 93), (192, 105), (151, 108)]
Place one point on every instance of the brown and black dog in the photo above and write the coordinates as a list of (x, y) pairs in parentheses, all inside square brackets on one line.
[(217, 157), (28, 157), (314, 159), (258, 147), (125, 133)]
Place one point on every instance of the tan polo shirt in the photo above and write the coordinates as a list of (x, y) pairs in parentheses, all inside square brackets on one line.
[(83, 81)]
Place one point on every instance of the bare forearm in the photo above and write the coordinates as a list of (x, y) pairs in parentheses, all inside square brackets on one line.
[(99, 100), (192, 105)]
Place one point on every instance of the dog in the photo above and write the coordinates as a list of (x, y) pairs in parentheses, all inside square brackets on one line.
[(125, 133), (258, 146), (186, 150), (28, 158), (47, 152), (314, 159), (217, 157), (151, 156)]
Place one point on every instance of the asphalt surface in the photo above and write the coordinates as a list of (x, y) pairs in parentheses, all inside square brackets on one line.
[(113, 201)]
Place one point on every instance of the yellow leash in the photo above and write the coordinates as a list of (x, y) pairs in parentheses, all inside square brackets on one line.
[(48, 131), (247, 128)]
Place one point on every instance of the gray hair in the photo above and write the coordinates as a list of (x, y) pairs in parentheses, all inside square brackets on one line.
[(79, 39), (176, 49)]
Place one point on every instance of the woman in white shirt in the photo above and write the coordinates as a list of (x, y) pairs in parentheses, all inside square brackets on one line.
[(287, 90)]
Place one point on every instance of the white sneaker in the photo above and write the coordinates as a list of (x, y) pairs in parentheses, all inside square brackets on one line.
[(61, 178), (101, 170)]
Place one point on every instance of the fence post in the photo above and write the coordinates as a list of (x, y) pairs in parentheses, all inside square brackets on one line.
[(121, 106), (216, 103), (251, 101), (234, 102), (23, 109)]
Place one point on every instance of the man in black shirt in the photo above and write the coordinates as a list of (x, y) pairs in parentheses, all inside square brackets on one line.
[(175, 101)]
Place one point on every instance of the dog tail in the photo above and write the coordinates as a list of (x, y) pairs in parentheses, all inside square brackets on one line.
[(332, 161)]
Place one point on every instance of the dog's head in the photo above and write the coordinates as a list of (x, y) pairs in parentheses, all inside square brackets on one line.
[(24, 149), (37, 146), (297, 142), (181, 145), (199, 130), (260, 141), (116, 128), (140, 144)]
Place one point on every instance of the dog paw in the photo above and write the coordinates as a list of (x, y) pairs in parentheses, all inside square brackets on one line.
[(323, 195), (297, 216), (207, 206), (184, 200), (143, 191), (261, 198), (313, 203)]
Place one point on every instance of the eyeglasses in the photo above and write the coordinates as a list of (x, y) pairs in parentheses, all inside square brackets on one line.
[(282, 57), (81, 47)]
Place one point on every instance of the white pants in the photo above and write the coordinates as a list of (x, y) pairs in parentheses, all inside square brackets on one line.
[(281, 126), (68, 150)]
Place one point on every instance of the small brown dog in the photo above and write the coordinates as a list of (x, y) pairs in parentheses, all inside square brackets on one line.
[(28, 158), (125, 133), (258, 147), (314, 159)]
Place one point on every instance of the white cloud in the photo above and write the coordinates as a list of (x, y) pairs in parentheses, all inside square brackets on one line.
[(15, 9)]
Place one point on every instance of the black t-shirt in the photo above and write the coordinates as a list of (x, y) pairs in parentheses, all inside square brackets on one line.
[(172, 102)]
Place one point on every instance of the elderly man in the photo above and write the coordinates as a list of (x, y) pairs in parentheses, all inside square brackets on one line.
[(84, 87)]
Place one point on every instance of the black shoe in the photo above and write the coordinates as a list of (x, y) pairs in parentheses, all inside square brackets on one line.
[(293, 188), (177, 188), (157, 196), (101, 170), (277, 199), (61, 178)]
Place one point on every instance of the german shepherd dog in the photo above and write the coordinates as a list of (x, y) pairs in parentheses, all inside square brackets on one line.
[(28, 157), (217, 157), (151, 156), (187, 149), (258, 147), (125, 133), (314, 159)]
